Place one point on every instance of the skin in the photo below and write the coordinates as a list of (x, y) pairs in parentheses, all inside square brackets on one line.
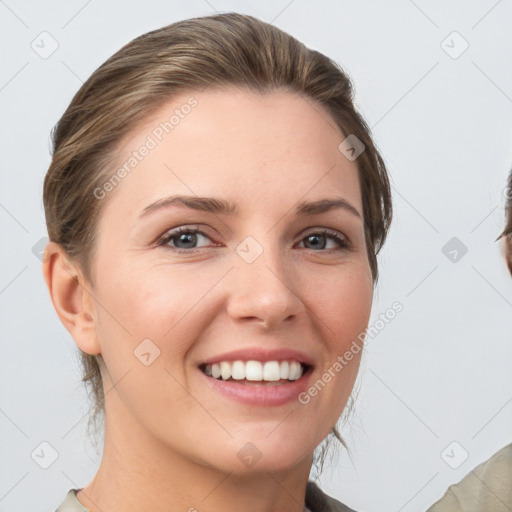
[(169, 438), (507, 251)]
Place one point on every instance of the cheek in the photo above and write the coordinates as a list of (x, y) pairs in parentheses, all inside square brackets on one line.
[(147, 323), (157, 303), (343, 303), (343, 306)]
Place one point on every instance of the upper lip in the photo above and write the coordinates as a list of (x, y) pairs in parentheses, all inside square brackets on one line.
[(263, 355)]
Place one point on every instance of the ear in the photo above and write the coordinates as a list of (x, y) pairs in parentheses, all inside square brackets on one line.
[(71, 297)]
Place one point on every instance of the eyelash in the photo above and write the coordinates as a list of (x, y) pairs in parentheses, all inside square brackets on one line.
[(342, 242)]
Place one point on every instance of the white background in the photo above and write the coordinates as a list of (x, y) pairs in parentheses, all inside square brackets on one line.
[(438, 373)]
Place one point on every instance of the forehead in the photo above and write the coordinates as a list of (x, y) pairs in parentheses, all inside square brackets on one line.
[(262, 149)]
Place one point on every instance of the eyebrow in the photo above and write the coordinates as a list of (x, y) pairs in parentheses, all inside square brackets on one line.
[(223, 207)]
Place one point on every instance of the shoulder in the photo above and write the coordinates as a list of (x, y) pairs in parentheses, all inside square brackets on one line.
[(318, 501), (71, 503), (487, 487)]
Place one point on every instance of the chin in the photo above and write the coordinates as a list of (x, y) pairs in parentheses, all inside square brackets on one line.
[(266, 454)]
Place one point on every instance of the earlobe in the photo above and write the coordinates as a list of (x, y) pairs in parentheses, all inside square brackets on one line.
[(71, 298)]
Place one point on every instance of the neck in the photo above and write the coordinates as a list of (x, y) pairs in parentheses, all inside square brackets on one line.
[(139, 473)]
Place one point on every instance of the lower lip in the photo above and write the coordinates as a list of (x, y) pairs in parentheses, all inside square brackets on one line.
[(260, 394)]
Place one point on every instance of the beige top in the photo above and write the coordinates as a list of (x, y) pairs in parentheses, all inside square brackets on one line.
[(487, 488), (316, 501)]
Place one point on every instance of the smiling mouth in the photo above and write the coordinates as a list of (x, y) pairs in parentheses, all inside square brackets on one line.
[(256, 372)]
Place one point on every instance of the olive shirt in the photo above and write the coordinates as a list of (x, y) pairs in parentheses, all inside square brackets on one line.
[(316, 501), (487, 488)]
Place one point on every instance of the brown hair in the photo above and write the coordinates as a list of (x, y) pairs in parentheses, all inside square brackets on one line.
[(507, 232), (200, 53)]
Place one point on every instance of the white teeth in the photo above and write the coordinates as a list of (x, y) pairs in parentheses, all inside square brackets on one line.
[(225, 370), (238, 370), (284, 370), (295, 371), (253, 370), (269, 371)]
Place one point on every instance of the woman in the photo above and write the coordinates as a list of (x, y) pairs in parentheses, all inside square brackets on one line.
[(487, 487), (216, 362)]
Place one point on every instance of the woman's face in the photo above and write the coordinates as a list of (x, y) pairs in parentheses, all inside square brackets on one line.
[(259, 281)]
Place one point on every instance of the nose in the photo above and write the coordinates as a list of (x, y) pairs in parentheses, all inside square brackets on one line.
[(264, 291)]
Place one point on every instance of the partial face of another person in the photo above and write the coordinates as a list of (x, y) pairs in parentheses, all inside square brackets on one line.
[(262, 279)]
